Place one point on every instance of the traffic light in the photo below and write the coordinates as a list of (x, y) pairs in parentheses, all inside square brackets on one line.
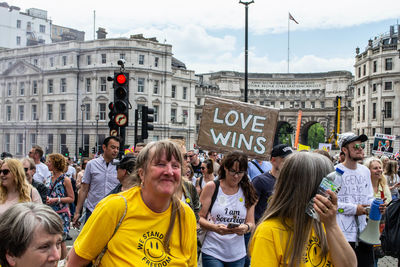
[(121, 98), (93, 150), (80, 151), (66, 152), (147, 116), (86, 153)]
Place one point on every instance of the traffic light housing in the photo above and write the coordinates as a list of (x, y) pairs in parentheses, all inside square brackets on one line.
[(93, 150), (80, 151), (147, 117), (121, 98), (111, 124)]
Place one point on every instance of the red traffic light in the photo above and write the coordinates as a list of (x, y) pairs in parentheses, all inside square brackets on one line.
[(121, 79)]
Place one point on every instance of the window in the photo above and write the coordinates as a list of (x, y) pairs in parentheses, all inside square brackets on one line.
[(173, 114), (364, 70), (139, 108), (388, 110), (18, 40), (375, 66), (388, 85), (155, 87), (103, 84), (359, 72), (140, 85), (363, 112), (35, 62), (50, 143), (312, 104), (88, 59), (62, 112), (87, 112), (388, 130), (102, 111), (21, 88), (198, 116), (18, 24), (103, 58), (122, 55), (173, 91), (373, 111), (303, 104), (64, 60), (388, 64), (34, 87), (322, 104), (63, 85), (88, 85), (156, 113), (33, 139), (184, 92), (86, 142), (358, 113), (52, 62), (7, 139), (373, 131), (50, 86), (21, 112), (42, 28), (374, 87), (282, 104), (363, 90), (156, 59), (198, 101), (141, 59), (184, 115), (9, 91), (291, 104), (358, 91), (20, 144), (34, 112), (8, 113), (49, 112), (63, 141)]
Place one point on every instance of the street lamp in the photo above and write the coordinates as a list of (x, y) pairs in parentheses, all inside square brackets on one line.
[(82, 109), (97, 133), (246, 49), (383, 120)]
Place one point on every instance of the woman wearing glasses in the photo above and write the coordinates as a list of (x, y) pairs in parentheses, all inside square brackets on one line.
[(207, 174), (14, 187), (231, 215)]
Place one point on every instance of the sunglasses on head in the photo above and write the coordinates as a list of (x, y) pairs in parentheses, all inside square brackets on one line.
[(359, 146), (5, 171)]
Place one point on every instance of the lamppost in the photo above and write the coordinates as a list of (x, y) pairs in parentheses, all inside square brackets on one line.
[(97, 133), (246, 50), (82, 109), (383, 120)]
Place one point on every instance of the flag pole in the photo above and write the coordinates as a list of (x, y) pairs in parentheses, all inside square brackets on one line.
[(288, 44)]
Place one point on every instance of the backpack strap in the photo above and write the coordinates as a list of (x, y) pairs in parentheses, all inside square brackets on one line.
[(214, 196), (258, 167)]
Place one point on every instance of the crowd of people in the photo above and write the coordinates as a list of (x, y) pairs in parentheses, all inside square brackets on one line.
[(165, 206)]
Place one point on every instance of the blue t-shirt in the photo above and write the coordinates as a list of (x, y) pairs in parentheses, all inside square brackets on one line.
[(253, 171)]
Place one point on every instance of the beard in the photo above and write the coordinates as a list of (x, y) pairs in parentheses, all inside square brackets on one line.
[(356, 157)]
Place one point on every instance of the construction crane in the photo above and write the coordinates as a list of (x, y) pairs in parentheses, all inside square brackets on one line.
[(335, 133)]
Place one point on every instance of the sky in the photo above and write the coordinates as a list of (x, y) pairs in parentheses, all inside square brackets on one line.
[(208, 35)]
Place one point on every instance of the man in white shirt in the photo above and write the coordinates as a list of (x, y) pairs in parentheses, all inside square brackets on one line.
[(355, 195), (42, 175)]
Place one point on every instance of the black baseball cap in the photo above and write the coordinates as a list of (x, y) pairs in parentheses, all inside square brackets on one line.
[(347, 138), (127, 163), (281, 151)]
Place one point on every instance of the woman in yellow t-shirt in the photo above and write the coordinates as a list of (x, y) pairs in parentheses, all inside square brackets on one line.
[(157, 229), (286, 235)]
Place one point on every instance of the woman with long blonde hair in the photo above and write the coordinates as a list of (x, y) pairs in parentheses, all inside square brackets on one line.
[(14, 187), (378, 180), (286, 235)]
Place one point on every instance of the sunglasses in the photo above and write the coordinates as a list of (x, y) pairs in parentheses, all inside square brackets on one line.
[(203, 168), (359, 146), (26, 169), (233, 172), (5, 171)]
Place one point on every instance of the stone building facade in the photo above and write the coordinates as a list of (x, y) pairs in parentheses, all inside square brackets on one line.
[(57, 95), (377, 86)]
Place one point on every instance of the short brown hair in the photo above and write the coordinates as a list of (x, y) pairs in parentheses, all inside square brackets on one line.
[(59, 162)]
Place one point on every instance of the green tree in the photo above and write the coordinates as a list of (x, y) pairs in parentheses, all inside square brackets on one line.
[(284, 134), (316, 135)]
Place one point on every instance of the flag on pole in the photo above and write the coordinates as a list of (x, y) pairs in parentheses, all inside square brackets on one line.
[(291, 18)]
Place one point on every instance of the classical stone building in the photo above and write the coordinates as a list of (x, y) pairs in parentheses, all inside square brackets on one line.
[(377, 86), (312, 93), (57, 95)]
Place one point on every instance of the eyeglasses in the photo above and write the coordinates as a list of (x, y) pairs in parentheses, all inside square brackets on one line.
[(233, 172), (26, 169), (359, 146), (190, 156), (5, 171), (203, 168)]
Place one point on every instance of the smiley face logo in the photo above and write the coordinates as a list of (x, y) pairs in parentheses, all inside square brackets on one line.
[(314, 253), (154, 250)]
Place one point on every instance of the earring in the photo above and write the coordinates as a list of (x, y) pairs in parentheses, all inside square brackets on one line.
[(142, 184)]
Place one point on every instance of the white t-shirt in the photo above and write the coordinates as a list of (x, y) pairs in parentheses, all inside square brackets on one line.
[(70, 172), (42, 175), (356, 188)]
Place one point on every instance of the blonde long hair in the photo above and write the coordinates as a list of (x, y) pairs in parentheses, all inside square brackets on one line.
[(382, 179), (298, 182), (18, 174)]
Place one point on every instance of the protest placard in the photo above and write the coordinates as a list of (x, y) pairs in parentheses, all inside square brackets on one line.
[(325, 146), (383, 144), (228, 125)]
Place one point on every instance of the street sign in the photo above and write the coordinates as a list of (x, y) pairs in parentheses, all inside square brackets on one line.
[(113, 132), (121, 120)]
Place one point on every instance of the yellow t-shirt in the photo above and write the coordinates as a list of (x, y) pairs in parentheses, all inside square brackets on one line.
[(139, 239), (269, 243)]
